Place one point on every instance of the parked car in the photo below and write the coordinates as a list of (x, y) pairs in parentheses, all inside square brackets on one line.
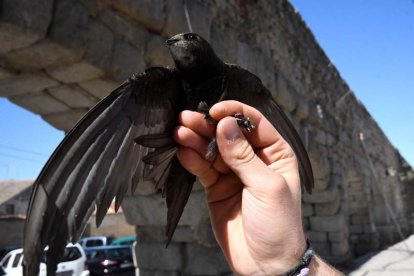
[(72, 263), (2, 272), (7, 249), (110, 260), (127, 240), (95, 241), (12, 262)]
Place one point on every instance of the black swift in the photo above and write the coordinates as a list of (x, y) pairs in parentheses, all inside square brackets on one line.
[(127, 138)]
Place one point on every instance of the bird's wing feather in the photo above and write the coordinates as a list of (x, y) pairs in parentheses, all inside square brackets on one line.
[(245, 87), (97, 161)]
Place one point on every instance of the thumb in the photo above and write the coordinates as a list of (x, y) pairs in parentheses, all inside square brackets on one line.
[(239, 155)]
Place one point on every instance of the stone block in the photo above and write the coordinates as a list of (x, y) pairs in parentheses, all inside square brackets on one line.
[(40, 55), (70, 25), (196, 210), (340, 248), (145, 210), (317, 236), (330, 139), (204, 234), (152, 210), (14, 38), (355, 229), (337, 236), (34, 16), (100, 88), (326, 196), (307, 210), (366, 238), (157, 234), (342, 261), (285, 93), (175, 22), (73, 96), (306, 223), (327, 223), (126, 60), (157, 53), (200, 260), (200, 17), (145, 188), (100, 45), (75, 72), (25, 83), (329, 208), (64, 120), (318, 155), (150, 233), (364, 248), (321, 248), (259, 64), (246, 57), (321, 184), (320, 136), (302, 108), (369, 228), (359, 219), (126, 30), (357, 206), (4, 74), (184, 234), (149, 13), (154, 255), (39, 103), (93, 6), (224, 42), (354, 238)]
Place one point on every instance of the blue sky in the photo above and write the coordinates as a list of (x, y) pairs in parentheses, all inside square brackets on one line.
[(371, 43), (26, 142)]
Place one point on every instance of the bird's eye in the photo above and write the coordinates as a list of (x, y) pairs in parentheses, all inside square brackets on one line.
[(190, 36)]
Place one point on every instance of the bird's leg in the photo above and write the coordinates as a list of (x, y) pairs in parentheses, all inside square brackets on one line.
[(212, 149), (205, 109)]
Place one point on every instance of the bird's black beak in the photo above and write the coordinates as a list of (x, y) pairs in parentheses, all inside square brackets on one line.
[(171, 41)]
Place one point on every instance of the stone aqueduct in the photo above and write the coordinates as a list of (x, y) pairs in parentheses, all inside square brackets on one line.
[(60, 57)]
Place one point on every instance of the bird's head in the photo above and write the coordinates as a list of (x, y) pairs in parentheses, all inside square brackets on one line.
[(190, 51)]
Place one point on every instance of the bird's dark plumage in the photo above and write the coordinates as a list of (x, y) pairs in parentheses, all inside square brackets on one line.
[(126, 138)]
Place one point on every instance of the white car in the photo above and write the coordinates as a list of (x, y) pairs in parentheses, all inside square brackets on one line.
[(72, 263), (12, 262)]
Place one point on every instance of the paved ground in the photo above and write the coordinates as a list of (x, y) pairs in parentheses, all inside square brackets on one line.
[(396, 260)]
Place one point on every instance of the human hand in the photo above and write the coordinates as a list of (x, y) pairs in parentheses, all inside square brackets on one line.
[(253, 188)]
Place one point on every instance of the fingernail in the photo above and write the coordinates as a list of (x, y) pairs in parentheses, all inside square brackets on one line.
[(232, 131)]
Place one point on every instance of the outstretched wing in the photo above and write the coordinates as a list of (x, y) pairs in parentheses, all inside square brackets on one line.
[(99, 160), (245, 87)]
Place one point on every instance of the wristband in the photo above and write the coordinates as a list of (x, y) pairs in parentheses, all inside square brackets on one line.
[(302, 268)]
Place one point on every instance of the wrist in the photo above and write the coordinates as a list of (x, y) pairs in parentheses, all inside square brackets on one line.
[(288, 258), (302, 266)]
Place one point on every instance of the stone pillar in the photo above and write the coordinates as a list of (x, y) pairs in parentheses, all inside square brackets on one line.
[(193, 249)]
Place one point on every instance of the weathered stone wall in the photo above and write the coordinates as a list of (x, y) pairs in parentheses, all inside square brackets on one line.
[(12, 228), (59, 57)]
